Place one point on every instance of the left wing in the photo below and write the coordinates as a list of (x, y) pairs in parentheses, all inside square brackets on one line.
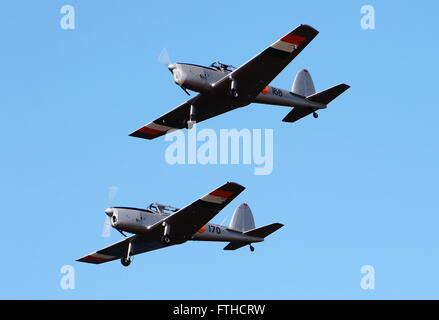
[(119, 249), (188, 220), (206, 107), (253, 76)]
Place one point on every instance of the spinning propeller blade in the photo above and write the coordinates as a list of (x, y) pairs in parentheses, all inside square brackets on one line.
[(112, 192), (166, 61), (164, 57)]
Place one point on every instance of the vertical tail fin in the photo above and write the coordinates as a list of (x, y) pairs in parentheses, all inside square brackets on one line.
[(303, 84), (242, 219)]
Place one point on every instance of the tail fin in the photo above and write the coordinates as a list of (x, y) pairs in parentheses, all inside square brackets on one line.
[(303, 84), (264, 231), (326, 96), (242, 219)]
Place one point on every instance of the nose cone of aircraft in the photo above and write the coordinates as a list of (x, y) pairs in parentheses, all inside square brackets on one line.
[(171, 67), (109, 212)]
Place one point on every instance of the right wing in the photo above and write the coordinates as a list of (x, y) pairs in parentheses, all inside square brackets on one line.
[(119, 249), (206, 107), (188, 220)]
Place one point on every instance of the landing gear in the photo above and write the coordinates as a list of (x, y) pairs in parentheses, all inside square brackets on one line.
[(315, 114), (252, 248), (125, 261), (233, 89), (192, 116), (234, 93), (166, 240)]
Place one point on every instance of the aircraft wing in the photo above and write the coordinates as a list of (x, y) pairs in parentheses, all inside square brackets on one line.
[(188, 220), (206, 108), (254, 75), (119, 249)]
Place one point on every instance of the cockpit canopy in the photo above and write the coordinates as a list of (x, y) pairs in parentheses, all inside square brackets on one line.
[(161, 208), (222, 67)]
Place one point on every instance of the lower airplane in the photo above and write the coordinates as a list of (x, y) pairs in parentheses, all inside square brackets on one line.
[(161, 226)]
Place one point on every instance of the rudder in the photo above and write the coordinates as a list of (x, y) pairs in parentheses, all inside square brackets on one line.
[(303, 84), (242, 219)]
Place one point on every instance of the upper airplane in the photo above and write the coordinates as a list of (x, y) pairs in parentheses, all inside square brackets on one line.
[(223, 88)]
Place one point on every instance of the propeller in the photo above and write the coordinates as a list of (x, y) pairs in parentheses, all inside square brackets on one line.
[(166, 61), (112, 192), (164, 58)]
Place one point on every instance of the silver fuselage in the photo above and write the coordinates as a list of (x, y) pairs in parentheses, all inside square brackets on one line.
[(139, 221), (202, 79)]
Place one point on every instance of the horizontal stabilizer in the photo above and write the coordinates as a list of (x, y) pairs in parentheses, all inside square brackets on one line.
[(235, 245), (298, 113), (264, 231), (326, 96)]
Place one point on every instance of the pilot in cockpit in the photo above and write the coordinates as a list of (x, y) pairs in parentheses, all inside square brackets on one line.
[(161, 209), (222, 67)]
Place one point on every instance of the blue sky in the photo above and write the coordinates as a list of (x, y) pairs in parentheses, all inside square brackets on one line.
[(356, 187)]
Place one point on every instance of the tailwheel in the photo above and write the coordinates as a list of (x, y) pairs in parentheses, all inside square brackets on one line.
[(166, 240), (125, 261), (315, 114), (252, 248)]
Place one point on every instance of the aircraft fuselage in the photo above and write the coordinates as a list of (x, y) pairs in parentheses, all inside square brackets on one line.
[(138, 221), (202, 79)]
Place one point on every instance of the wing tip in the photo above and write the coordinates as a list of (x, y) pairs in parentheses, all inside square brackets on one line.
[(141, 135), (307, 29), (235, 186)]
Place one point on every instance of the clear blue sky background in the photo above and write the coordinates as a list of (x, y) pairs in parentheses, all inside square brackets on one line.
[(357, 186)]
